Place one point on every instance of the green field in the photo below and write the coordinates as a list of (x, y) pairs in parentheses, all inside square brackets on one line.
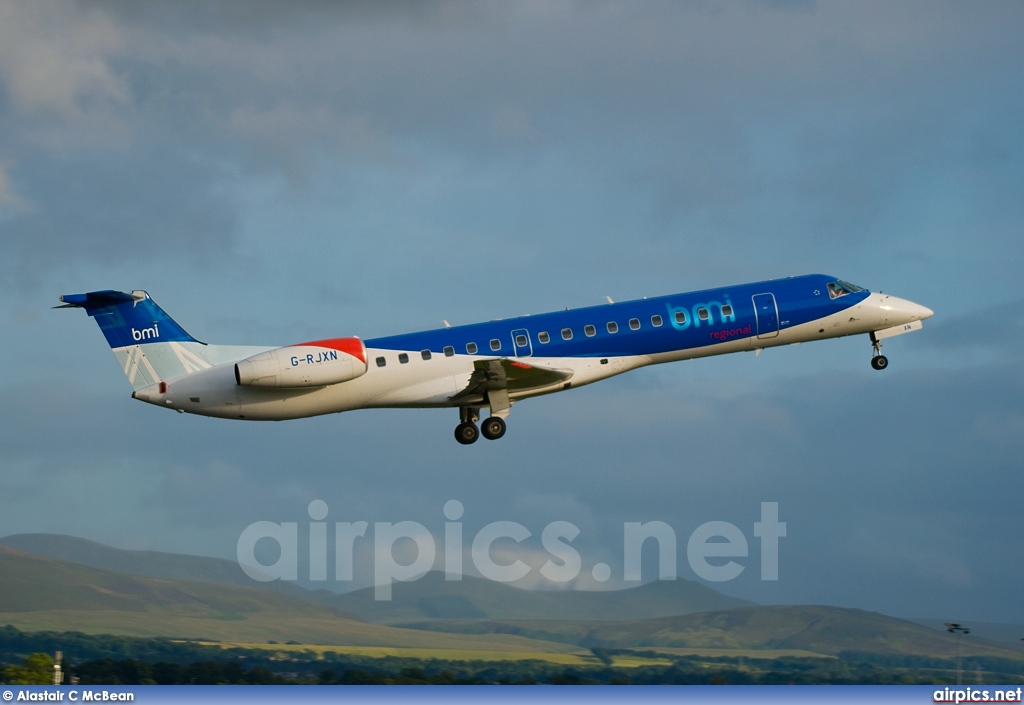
[(791, 630), (269, 627), (578, 658), (736, 653)]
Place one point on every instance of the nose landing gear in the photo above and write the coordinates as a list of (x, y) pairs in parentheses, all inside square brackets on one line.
[(878, 360)]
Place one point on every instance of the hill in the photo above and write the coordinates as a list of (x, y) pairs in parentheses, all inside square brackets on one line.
[(151, 564), (430, 597), (814, 629), (31, 583), (41, 593), (218, 602)]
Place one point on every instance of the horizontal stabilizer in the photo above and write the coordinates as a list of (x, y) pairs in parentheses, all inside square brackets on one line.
[(99, 299)]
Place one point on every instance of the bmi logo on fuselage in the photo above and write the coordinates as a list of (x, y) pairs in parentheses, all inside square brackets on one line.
[(682, 317)]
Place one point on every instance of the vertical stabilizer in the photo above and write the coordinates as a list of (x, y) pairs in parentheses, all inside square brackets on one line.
[(150, 346)]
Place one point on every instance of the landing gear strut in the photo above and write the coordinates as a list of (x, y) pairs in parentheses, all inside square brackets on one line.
[(878, 360), (467, 432)]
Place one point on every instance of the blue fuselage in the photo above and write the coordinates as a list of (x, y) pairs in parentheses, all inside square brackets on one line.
[(645, 326)]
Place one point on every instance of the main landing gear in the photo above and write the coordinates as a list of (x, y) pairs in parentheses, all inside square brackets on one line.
[(466, 432), (878, 360), (493, 428)]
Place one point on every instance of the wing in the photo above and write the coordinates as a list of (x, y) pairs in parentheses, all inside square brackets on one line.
[(509, 375)]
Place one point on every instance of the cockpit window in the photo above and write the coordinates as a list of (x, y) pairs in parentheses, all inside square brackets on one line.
[(841, 288)]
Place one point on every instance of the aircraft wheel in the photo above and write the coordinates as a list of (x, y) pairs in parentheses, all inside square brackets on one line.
[(493, 428), (466, 433), (879, 362)]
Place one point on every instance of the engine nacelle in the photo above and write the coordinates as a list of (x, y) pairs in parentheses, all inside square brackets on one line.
[(315, 364)]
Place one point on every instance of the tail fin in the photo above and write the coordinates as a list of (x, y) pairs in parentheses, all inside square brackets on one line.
[(147, 342)]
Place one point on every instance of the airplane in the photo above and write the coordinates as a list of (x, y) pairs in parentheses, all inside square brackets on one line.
[(482, 365)]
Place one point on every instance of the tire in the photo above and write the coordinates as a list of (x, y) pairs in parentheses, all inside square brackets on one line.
[(493, 428), (466, 433), (880, 362)]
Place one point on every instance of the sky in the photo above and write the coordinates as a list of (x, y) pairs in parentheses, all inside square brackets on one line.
[(275, 172)]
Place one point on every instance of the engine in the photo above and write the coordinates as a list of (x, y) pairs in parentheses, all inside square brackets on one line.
[(315, 364)]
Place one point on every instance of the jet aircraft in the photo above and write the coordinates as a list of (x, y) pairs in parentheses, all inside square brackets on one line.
[(480, 366)]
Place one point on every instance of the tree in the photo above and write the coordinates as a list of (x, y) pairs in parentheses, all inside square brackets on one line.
[(37, 669)]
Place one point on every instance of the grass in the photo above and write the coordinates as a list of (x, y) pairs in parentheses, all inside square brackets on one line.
[(566, 659), (734, 653), (329, 632)]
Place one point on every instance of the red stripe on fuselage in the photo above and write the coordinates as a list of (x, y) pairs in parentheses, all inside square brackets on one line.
[(351, 346)]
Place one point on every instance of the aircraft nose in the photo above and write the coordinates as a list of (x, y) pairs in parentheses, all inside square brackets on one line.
[(906, 311)]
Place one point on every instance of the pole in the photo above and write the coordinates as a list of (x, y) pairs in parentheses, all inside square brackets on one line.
[(958, 631), (959, 669)]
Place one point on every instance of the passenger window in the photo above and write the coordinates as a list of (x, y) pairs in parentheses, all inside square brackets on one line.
[(381, 362), (656, 321), (521, 341), (471, 348), (726, 310), (634, 324), (425, 354), (543, 337), (449, 351), (702, 314), (613, 327), (495, 345), (590, 331), (567, 334), (403, 358), (680, 317)]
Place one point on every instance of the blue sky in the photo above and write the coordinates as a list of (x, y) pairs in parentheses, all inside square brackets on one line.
[(275, 172)]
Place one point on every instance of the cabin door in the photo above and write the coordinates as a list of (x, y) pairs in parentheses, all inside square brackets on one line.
[(767, 313)]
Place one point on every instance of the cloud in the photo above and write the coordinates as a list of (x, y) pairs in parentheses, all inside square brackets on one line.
[(58, 58), (9, 199), (156, 205)]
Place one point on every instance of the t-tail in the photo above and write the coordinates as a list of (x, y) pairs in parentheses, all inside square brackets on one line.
[(148, 344)]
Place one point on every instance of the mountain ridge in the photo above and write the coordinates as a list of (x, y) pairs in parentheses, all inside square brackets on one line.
[(429, 597), (39, 592)]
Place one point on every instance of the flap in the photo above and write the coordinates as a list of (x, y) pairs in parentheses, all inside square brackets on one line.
[(513, 375)]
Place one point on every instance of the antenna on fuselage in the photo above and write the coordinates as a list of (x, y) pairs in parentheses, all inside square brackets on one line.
[(609, 299), (446, 323)]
